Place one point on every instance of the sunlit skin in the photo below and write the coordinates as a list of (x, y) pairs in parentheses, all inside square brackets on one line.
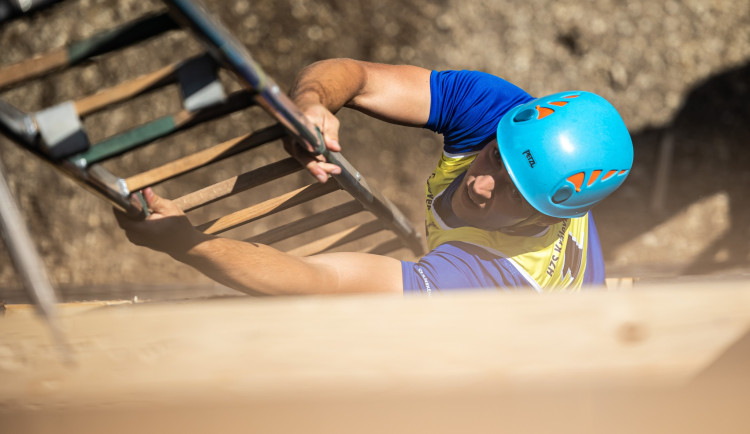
[(488, 199), (399, 94)]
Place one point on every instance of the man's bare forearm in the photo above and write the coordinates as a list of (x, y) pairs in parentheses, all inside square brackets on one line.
[(334, 83), (247, 267), (394, 93), (255, 268)]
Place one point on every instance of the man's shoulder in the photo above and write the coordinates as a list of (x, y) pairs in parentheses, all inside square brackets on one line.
[(477, 81), (467, 105)]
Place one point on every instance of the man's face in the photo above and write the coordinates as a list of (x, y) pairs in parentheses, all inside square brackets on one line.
[(488, 199)]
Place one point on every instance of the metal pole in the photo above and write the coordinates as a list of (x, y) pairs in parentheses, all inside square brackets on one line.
[(29, 265)]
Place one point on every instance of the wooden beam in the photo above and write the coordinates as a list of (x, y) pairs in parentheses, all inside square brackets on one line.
[(614, 362), (269, 207), (619, 283)]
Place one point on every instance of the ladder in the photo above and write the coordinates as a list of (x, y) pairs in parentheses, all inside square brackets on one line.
[(57, 135)]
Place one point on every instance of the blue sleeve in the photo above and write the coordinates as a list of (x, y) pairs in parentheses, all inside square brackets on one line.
[(459, 266), (467, 105), (595, 272)]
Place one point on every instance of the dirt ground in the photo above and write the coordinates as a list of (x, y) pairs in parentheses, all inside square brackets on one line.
[(679, 72)]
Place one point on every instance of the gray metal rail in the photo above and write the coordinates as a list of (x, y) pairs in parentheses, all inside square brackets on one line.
[(29, 265)]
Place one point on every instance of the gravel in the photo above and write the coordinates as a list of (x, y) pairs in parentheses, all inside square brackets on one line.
[(674, 69)]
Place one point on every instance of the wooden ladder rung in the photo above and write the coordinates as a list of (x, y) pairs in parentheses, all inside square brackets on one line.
[(269, 207), (36, 66), (307, 223), (202, 158), (158, 128), (127, 90), (100, 43), (338, 239), (237, 184)]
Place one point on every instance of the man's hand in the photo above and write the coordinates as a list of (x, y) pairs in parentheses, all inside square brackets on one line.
[(167, 229), (328, 124), (394, 93)]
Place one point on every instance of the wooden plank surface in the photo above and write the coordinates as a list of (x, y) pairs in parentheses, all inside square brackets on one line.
[(663, 359)]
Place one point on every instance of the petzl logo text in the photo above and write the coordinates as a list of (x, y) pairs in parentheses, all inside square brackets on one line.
[(529, 157)]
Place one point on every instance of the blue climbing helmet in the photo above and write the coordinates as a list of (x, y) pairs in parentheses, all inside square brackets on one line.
[(565, 152)]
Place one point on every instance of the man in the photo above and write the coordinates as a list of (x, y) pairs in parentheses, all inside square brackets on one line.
[(507, 206)]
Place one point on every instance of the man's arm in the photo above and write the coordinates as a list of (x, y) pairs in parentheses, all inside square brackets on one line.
[(394, 93), (255, 268)]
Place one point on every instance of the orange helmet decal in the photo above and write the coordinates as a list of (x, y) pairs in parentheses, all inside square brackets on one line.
[(609, 174), (595, 174), (577, 180), (544, 111)]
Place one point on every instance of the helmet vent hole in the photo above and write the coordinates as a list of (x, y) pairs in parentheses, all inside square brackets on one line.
[(562, 194), (525, 115)]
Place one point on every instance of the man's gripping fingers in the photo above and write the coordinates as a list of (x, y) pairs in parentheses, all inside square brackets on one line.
[(315, 164), (330, 131), (159, 206), (328, 124)]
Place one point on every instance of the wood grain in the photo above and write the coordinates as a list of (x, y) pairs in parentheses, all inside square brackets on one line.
[(34, 67), (622, 362)]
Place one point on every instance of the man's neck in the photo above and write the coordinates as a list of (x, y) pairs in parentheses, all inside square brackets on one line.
[(442, 206)]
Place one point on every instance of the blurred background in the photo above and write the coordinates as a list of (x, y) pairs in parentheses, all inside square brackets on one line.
[(678, 71)]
